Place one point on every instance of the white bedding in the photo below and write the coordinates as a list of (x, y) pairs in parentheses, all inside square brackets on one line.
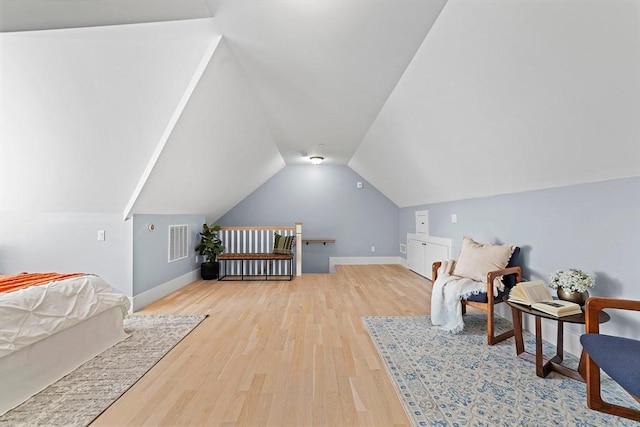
[(31, 369), (32, 314)]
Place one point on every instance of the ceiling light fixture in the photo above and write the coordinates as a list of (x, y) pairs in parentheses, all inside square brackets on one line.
[(316, 160)]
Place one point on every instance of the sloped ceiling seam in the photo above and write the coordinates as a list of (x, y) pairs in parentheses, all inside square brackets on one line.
[(197, 75)]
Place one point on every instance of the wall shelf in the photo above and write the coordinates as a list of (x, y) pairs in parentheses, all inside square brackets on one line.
[(323, 241)]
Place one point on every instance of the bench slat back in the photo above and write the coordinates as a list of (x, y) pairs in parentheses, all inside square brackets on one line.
[(254, 240)]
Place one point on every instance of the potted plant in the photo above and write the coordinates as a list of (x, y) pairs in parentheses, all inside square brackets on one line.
[(572, 285), (210, 246)]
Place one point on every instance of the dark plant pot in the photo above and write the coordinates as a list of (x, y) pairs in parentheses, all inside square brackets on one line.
[(209, 270)]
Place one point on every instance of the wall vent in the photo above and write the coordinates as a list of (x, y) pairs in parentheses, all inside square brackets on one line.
[(178, 242)]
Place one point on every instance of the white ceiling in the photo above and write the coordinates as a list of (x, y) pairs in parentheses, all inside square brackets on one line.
[(29, 15), (82, 110), (509, 96), (428, 100), (321, 69)]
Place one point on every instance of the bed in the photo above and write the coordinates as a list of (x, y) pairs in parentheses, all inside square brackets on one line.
[(52, 325)]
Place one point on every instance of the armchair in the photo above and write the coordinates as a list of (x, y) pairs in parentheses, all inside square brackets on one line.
[(617, 356), (511, 274)]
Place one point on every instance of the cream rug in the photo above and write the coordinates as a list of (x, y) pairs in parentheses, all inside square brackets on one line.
[(78, 398), (457, 380)]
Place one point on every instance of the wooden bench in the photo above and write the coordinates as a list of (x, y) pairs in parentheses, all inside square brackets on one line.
[(266, 257), (248, 253)]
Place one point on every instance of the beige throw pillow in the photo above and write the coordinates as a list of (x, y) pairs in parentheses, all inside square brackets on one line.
[(477, 259)]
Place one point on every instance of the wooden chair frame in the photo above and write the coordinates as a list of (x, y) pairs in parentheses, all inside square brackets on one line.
[(594, 398), (491, 301)]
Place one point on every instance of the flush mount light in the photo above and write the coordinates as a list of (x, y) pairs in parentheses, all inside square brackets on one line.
[(316, 160)]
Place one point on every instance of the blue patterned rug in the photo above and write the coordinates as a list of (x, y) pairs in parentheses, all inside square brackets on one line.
[(457, 380)]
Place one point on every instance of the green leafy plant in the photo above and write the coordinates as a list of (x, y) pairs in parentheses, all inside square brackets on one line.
[(210, 244)]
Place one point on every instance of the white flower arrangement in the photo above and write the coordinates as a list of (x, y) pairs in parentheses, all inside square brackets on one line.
[(571, 280)]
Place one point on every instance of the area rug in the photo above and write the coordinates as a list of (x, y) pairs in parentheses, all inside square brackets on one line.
[(444, 379), (78, 398)]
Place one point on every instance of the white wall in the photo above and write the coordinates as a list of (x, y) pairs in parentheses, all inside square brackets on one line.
[(507, 96), (82, 110), (67, 242)]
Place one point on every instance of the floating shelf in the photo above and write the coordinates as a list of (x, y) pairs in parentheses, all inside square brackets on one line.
[(323, 241)]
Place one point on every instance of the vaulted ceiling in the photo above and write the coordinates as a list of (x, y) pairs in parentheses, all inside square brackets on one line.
[(188, 106)]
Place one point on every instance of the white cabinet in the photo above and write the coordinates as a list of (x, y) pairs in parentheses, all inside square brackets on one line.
[(423, 251), (416, 256)]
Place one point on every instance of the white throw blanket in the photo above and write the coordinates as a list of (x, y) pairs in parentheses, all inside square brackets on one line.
[(448, 290)]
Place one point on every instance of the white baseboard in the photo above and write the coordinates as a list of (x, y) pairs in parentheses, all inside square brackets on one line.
[(152, 295), (364, 260)]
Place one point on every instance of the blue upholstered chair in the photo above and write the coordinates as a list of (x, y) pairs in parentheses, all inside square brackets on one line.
[(617, 356)]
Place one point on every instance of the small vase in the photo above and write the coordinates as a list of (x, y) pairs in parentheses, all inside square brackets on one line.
[(579, 298)]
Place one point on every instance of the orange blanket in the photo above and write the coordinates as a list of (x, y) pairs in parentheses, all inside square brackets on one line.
[(25, 280)]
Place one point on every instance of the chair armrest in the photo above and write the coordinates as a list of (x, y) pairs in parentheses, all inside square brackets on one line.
[(504, 272), (498, 273), (596, 304), (434, 270), (436, 265)]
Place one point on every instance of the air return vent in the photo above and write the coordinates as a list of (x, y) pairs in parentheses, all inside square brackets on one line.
[(178, 242)]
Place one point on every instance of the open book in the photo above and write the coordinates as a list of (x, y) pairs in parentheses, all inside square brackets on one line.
[(537, 295)]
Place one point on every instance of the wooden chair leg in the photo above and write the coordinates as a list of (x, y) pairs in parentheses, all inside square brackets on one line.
[(491, 338), (594, 397), (490, 320)]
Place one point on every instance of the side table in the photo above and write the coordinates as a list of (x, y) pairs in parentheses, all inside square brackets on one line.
[(545, 365)]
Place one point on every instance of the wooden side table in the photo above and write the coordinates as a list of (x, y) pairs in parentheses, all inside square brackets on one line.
[(545, 365)]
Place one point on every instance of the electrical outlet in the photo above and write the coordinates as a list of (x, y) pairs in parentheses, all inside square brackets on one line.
[(101, 236), (373, 248), (454, 218)]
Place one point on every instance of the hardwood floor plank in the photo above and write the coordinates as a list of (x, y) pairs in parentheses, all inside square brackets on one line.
[(277, 353)]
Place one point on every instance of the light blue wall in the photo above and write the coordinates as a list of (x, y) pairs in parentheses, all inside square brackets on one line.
[(150, 250), (328, 203), (594, 227)]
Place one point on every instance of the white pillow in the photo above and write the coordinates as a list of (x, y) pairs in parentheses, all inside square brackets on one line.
[(477, 259)]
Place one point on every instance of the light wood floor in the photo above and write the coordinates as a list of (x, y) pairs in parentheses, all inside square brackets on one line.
[(277, 353)]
